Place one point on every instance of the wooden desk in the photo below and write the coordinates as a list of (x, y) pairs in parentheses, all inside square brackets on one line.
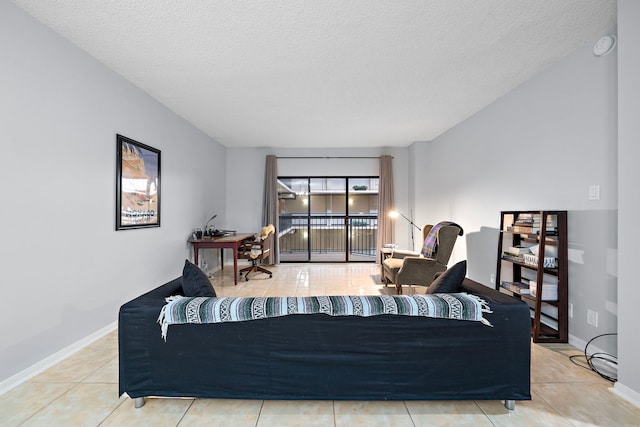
[(225, 242)]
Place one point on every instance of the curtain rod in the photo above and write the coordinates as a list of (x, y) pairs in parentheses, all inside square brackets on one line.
[(328, 157)]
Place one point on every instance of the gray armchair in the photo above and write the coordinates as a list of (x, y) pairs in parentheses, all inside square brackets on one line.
[(409, 268)]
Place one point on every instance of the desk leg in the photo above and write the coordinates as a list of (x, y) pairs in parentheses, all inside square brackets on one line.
[(235, 265), (221, 258)]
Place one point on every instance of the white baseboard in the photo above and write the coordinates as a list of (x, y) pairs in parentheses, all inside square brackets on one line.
[(618, 389), (580, 344), (43, 365), (212, 271), (626, 393)]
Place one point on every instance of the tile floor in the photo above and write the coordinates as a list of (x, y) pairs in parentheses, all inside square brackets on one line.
[(82, 390)]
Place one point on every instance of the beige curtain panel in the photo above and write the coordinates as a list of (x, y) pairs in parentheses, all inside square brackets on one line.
[(270, 206), (386, 202)]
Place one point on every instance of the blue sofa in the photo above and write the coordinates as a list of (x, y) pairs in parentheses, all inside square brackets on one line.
[(388, 357)]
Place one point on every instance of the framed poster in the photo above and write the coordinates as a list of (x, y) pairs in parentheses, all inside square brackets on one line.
[(137, 185)]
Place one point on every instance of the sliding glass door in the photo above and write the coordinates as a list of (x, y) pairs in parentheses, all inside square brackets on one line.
[(328, 219)]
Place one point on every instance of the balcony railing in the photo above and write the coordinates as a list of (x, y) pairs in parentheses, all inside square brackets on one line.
[(326, 234)]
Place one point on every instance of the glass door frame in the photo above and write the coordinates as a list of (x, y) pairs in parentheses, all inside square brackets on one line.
[(358, 231)]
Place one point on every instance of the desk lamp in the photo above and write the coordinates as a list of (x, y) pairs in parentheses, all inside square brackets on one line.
[(208, 232)]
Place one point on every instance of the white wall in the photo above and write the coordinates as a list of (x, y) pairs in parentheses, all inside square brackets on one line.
[(629, 198), (245, 177), (538, 147), (65, 270)]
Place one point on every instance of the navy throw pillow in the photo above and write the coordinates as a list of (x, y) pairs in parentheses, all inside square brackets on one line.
[(194, 282), (450, 281)]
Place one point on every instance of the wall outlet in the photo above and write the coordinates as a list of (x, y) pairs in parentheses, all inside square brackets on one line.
[(570, 310), (592, 318), (492, 279)]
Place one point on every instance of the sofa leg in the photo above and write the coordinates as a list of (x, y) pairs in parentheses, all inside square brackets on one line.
[(399, 289), (139, 402), (510, 404)]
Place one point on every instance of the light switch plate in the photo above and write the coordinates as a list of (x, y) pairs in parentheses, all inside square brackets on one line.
[(594, 192)]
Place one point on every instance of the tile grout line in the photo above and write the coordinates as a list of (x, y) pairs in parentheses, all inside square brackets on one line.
[(75, 384), (485, 413), (406, 408), (333, 406), (549, 404), (186, 411), (111, 412), (259, 413)]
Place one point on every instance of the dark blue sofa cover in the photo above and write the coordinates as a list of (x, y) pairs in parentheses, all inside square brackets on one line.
[(388, 357)]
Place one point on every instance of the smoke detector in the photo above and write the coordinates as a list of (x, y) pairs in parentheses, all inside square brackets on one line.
[(605, 45)]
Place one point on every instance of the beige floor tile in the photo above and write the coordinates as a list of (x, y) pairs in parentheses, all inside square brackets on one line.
[(304, 292), (588, 404), (222, 412), (108, 373), (548, 365), (27, 399), (372, 414), (534, 413), (315, 290), (338, 290), (257, 279), (109, 342), (279, 291), (155, 412), (83, 405), (78, 366), (295, 413), (447, 413)]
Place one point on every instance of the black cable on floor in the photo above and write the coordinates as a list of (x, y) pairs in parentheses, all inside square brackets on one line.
[(598, 357)]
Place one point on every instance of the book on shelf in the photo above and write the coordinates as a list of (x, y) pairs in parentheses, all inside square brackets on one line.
[(531, 230), (551, 226), (525, 218), (517, 287), (518, 250), (522, 229), (513, 257)]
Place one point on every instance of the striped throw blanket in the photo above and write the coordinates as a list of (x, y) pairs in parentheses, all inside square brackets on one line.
[(431, 241), (458, 306)]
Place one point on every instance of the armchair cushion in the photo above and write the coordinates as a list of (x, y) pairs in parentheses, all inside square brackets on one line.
[(402, 253), (449, 281), (194, 282), (411, 270)]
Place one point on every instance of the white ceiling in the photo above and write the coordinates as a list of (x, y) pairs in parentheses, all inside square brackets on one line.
[(326, 73)]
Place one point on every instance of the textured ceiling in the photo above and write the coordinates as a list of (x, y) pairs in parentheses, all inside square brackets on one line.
[(326, 73)]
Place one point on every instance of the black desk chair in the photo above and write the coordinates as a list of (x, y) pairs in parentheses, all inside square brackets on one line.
[(256, 251)]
